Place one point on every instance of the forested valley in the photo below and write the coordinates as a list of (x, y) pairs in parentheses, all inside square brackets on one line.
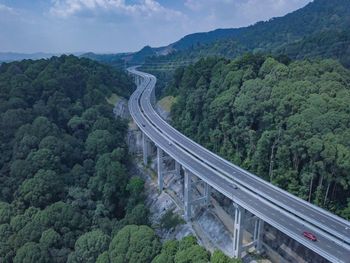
[(66, 191), (288, 122)]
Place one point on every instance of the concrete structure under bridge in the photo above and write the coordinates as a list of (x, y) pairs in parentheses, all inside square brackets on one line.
[(190, 200)]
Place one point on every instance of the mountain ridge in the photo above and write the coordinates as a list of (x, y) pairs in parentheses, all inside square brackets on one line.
[(320, 18)]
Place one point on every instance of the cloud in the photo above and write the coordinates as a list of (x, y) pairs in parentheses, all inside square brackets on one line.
[(123, 25), (146, 8), (236, 13), (193, 5), (6, 9)]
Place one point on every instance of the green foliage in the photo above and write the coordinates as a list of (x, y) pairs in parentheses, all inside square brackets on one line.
[(6, 212), (135, 189), (65, 188), (170, 220), (134, 244), (286, 123), (168, 252), (32, 253), (103, 258), (99, 142), (193, 254), (89, 246), (219, 257), (44, 188), (138, 215), (63, 162), (346, 210), (110, 179), (50, 238), (183, 251)]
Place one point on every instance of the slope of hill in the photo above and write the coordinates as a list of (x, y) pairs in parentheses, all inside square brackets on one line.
[(320, 29), (317, 16)]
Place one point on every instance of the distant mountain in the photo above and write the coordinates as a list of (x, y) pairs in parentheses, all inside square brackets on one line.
[(111, 59), (12, 56), (122, 59), (320, 29), (317, 16)]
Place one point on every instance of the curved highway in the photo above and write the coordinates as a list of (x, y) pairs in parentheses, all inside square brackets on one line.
[(287, 213)]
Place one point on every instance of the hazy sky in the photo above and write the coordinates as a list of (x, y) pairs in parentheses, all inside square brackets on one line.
[(122, 25)]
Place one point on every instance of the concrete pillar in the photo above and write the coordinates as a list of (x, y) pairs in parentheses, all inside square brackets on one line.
[(238, 231), (258, 231), (177, 168), (187, 194), (145, 142), (207, 194), (160, 154)]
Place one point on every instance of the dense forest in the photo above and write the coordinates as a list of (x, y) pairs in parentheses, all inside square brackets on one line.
[(288, 122), (66, 193)]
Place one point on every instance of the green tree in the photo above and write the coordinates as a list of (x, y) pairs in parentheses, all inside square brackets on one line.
[(110, 180), (99, 142), (50, 239), (103, 258), (89, 246), (133, 243), (44, 188), (32, 253), (6, 212), (219, 257)]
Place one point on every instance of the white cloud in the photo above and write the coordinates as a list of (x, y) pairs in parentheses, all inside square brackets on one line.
[(236, 13), (193, 5), (7, 9), (146, 8), (123, 25)]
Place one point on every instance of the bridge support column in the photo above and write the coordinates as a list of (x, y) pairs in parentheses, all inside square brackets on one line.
[(160, 155), (207, 192), (238, 231), (258, 231), (187, 194), (146, 148), (138, 81), (191, 198), (177, 168)]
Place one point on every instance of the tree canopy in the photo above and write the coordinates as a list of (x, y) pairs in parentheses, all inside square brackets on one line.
[(286, 122), (64, 160)]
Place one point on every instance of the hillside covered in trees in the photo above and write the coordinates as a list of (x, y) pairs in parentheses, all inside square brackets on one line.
[(287, 122), (66, 192), (318, 30)]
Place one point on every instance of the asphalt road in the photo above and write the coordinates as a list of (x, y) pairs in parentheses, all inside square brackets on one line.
[(159, 132)]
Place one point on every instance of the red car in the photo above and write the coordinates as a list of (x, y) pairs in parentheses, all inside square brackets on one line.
[(310, 236)]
